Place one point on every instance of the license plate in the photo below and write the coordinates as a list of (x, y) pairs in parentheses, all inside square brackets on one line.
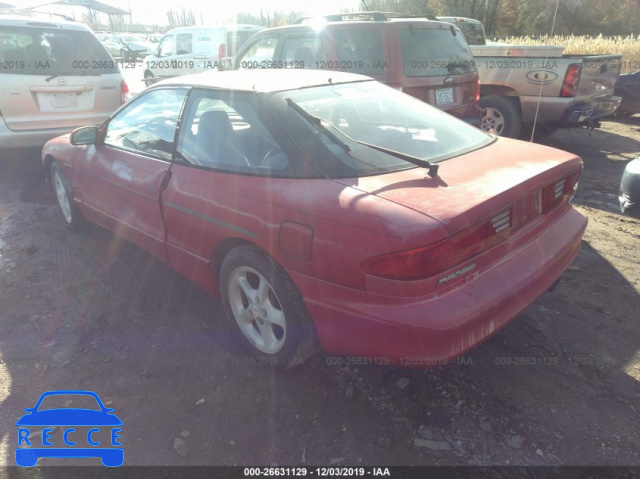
[(444, 96), (55, 101)]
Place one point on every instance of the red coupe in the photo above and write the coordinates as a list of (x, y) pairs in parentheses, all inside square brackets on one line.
[(326, 209)]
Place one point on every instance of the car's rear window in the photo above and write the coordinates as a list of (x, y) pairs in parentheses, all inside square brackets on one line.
[(369, 112), (434, 52), (48, 51)]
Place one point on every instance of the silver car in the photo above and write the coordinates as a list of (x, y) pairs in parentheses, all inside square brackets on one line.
[(55, 76)]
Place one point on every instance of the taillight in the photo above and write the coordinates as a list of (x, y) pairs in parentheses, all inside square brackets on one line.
[(571, 80), (476, 94), (431, 260), (222, 51), (124, 92), (558, 191)]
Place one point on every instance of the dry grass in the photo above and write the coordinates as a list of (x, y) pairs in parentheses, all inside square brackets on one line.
[(628, 47)]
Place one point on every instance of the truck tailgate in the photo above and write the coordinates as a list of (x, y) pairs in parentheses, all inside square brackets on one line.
[(599, 75)]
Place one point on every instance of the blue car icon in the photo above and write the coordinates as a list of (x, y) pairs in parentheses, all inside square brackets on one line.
[(67, 418)]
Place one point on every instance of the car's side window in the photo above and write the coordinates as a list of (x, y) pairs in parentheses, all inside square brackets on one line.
[(224, 132), (184, 42), (360, 51), (148, 124), (304, 50), (260, 54), (166, 46)]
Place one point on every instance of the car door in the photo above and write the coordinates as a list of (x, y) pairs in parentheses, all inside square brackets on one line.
[(219, 188), (183, 63), (162, 67), (119, 180)]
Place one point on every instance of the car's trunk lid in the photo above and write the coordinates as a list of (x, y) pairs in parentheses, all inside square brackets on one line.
[(479, 185)]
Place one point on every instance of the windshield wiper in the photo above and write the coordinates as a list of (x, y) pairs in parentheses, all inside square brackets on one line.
[(73, 74), (432, 168), (317, 122)]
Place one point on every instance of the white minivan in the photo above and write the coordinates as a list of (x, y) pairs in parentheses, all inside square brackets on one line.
[(187, 50)]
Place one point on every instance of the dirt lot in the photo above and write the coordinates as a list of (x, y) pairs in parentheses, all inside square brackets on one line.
[(560, 385)]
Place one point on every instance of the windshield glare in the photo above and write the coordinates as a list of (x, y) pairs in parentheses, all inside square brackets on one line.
[(372, 113)]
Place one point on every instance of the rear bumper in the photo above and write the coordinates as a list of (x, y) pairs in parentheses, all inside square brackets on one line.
[(430, 331), (10, 139), (565, 112)]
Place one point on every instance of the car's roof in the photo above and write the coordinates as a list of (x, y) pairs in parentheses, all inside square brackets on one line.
[(40, 21), (263, 80), (310, 25)]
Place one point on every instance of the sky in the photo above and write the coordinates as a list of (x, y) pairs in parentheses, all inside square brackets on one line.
[(154, 11)]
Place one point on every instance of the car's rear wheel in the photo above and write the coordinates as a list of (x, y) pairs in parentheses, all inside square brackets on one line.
[(500, 116), (64, 196), (124, 55), (261, 301)]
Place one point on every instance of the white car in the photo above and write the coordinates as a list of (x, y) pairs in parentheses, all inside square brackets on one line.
[(55, 75)]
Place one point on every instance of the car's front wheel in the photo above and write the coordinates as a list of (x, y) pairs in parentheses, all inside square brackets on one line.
[(64, 196), (124, 55), (265, 307)]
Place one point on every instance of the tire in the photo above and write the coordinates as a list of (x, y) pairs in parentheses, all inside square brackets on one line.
[(501, 116), (266, 309), (124, 55), (72, 217), (148, 78)]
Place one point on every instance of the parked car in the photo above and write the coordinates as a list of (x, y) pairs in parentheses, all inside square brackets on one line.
[(630, 189), (427, 59), (129, 46), (55, 76), (154, 38), (628, 87), (188, 50), (523, 85), (325, 207)]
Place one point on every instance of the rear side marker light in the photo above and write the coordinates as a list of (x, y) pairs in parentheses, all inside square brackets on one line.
[(559, 189), (501, 221), (555, 193)]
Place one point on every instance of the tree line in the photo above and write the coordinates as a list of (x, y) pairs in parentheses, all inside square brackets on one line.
[(529, 17), (500, 17)]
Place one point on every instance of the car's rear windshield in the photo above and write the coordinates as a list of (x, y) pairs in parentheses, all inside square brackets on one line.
[(49, 51), (369, 112), (435, 52)]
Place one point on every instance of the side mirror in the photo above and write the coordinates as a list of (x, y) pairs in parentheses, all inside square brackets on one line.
[(225, 64), (85, 135)]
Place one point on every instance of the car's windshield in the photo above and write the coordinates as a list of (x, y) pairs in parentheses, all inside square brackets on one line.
[(372, 113), (76, 401)]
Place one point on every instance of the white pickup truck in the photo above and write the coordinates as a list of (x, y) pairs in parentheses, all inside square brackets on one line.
[(520, 85)]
